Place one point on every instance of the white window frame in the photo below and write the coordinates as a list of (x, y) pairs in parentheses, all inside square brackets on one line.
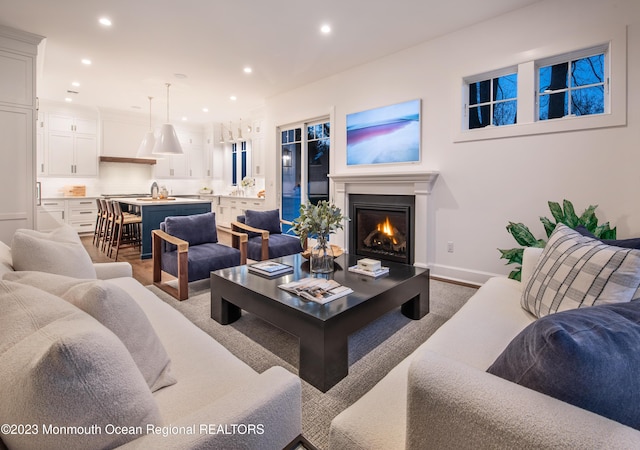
[(484, 77), (569, 58), (611, 41)]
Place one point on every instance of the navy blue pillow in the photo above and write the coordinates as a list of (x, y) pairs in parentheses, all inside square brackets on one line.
[(589, 357), (624, 243), (195, 229), (265, 220)]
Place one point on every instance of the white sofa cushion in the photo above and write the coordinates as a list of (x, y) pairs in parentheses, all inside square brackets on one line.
[(59, 251), (60, 367), (576, 271), (115, 309), (6, 261)]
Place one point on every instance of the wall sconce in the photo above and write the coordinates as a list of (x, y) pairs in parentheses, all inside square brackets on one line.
[(286, 158)]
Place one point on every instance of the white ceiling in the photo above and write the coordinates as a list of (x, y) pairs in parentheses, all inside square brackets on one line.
[(211, 41)]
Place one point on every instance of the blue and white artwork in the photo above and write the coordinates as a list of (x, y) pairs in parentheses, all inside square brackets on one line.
[(390, 134)]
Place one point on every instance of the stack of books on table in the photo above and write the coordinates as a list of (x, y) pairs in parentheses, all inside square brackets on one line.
[(270, 268), (317, 290), (370, 267)]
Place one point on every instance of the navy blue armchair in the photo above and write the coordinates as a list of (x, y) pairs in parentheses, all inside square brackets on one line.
[(265, 237), (187, 247)]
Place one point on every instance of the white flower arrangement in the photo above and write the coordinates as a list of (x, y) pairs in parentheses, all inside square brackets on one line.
[(248, 182)]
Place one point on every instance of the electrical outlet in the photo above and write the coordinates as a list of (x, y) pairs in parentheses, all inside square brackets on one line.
[(450, 246)]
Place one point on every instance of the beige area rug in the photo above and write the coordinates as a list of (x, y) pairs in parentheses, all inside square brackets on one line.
[(373, 350)]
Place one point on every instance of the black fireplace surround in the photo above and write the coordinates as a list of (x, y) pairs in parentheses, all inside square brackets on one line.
[(382, 227)]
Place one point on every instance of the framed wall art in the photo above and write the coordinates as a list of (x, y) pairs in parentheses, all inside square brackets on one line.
[(385, 135)]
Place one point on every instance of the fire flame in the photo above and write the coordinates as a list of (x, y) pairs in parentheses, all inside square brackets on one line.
[(386, 228)]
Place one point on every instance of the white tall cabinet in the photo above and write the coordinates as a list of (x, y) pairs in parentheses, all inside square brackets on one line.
[(18, 116), (72, 146)]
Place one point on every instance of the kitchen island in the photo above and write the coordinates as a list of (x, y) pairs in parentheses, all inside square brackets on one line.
[(153, 212)]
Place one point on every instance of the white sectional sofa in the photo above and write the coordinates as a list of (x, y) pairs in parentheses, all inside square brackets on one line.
[(442, 397), (211, 399)]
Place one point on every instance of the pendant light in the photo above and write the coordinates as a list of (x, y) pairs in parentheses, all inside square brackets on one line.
[(231, 139), (239, 137), (167, 143), (146, 146), (221, 135)]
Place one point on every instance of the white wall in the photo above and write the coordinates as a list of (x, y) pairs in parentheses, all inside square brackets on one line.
[(485, 184)]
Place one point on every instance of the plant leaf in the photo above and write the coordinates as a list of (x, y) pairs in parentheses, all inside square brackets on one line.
[(513, 255), (521, 234), (549, 226), (604, 232), (570, 217), (516, 274), (589, 219), (556, 211)]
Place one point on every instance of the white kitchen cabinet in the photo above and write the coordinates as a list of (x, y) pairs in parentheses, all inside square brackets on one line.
[(207, 155), (80, 213), (18, 51), (229, 208), (72, 146), (188, 165), (193, 147), (51, 214), (195, 161), (171, 166), (40, 155)]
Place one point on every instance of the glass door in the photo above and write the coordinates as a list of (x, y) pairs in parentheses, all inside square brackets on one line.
[(304, 173)]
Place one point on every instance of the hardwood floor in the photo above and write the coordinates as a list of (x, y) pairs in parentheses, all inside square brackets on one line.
[(142, 268)]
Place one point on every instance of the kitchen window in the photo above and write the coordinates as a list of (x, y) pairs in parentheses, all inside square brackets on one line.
[(234, 162)]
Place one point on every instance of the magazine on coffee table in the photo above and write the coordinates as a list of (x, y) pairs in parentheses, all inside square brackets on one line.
[(270, 268), (317, 290)]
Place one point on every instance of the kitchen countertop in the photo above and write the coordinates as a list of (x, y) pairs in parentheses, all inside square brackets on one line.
[(148, 201), (240, 197), (68, 197)]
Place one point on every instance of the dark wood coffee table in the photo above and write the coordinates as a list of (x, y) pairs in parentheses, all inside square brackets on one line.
[(323, 330)]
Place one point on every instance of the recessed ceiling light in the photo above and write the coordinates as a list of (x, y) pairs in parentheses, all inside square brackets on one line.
[(136, 107), (86, 62), (105, 21), (205, 109), (326, 29), (184, 118), (234, 98), (248, 70), (75, 84), (68, 99), (180, 75)]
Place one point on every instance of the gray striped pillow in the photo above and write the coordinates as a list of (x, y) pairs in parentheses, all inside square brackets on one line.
[(575, 271)]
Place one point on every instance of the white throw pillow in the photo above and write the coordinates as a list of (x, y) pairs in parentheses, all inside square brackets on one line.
[(59, 251), (575, 271), (116, 310), (59, 367)]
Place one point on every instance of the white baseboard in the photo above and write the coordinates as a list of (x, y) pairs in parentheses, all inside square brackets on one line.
[(462, 275)]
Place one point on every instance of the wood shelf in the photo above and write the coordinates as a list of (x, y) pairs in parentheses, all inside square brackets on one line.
[(118, 159)]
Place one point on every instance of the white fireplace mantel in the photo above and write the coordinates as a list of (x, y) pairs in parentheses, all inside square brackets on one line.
[(418, 184), (405, 178)]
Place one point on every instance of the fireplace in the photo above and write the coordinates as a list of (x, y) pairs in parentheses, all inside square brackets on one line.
[(382, 227)]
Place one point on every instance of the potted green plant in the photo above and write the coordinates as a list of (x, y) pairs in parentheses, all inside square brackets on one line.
[(564, 214), (319, 221)]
